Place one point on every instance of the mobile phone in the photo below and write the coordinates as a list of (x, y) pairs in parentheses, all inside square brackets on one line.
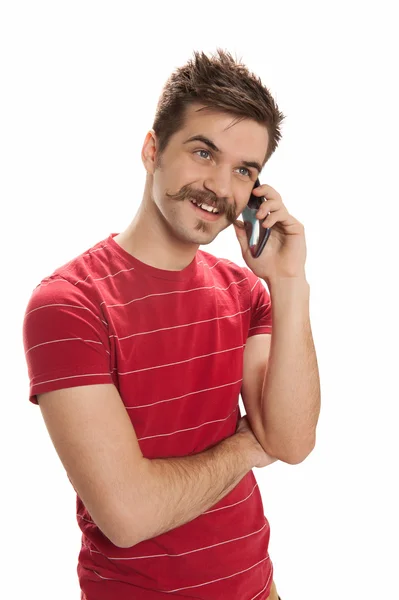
[(256, 234)]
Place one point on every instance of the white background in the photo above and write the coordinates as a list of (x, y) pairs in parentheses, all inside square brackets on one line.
[(80, 82)]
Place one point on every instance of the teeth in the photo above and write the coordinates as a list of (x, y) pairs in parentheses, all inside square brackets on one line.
[(206, 207)]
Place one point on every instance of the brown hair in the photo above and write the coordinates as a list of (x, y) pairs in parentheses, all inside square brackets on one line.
[(221, 83)]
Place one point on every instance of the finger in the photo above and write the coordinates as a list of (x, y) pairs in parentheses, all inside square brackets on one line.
[(268, 222), (267, 191), (281, 216), (267, 207)]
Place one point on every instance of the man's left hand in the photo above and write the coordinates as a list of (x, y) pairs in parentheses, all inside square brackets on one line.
[(284, 255)]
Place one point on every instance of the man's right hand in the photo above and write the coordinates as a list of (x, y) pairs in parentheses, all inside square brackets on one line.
[(261, 458)]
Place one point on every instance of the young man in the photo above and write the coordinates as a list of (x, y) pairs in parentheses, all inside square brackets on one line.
[(138, 350)]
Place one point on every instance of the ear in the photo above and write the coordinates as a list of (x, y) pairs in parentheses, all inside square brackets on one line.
[(149, 152)]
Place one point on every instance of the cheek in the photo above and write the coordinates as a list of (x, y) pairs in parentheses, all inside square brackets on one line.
[(240, 206), (178, 174), (171, 180), (183, 170)]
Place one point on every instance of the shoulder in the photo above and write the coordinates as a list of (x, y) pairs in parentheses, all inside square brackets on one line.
[(73, 281)]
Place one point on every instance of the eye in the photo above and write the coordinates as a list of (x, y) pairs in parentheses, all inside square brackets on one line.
[(248, 172), (203, 151)]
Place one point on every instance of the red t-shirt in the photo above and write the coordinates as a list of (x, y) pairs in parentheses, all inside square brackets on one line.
[(172, 343)]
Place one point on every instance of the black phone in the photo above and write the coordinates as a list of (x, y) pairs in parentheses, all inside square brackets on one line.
[(256, 234)]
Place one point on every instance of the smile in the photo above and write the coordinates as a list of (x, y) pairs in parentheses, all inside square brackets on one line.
[(207, 212), (205, 206)]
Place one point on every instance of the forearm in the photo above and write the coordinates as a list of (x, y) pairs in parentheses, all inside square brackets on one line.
[(291, 389), (177, 490)]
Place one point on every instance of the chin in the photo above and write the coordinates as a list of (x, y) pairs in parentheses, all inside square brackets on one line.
[(200, 240), (193, 237)]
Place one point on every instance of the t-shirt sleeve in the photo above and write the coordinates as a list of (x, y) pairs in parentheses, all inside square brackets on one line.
[(65, 339), (261, 307)]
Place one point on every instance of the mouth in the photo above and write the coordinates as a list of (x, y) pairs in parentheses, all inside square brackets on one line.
[(207, 212)]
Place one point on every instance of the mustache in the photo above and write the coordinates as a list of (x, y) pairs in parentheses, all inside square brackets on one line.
[(189, 193)]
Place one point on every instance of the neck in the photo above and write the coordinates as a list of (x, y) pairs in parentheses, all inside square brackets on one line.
[(149, 238)]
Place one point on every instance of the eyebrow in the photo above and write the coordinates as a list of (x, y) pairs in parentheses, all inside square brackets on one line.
[(212, 145)]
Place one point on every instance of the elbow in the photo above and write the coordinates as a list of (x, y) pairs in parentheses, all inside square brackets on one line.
[(126, 536), (127, 530), (120, 534), (123, 542), (295, 459), (293, 456), (129, 533), (299, 456), (134, 513)]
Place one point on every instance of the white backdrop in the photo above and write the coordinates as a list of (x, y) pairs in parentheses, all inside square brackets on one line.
[(80, 82)]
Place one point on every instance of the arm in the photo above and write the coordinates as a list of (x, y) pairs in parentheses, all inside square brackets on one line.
[(181, 489), (129, 497), (281, 386)]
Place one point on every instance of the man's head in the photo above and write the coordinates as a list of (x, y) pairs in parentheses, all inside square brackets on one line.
[(215, 127)]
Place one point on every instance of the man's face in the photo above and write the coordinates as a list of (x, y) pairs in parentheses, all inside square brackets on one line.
[(219, 169)]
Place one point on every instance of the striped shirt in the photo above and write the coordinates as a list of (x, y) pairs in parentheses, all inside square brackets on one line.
[(172, 343)]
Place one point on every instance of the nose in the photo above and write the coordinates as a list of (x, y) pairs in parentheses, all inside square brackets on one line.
[(219, 182)]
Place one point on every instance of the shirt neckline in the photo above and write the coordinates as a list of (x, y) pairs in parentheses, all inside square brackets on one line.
[(182, 275)]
